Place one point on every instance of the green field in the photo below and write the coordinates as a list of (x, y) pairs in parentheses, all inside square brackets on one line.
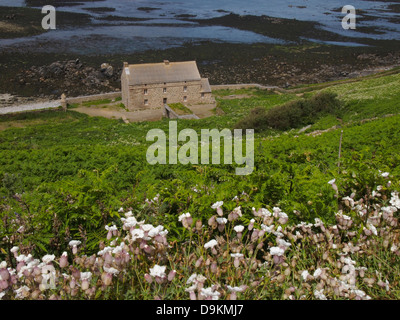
[(65, 176)]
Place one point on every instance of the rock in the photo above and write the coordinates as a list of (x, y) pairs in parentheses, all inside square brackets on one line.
[(107, 69)]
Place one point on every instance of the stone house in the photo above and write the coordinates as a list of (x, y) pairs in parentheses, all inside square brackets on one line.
[(152, 85)]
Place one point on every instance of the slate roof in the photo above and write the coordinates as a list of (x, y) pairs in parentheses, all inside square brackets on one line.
[(152, 73), (205, 85)]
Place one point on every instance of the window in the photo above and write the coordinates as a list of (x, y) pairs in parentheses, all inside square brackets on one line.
[(146, 102), (165, 100), (185, 89), (145, 91), (202, 95), (185, 98), (164, 90)]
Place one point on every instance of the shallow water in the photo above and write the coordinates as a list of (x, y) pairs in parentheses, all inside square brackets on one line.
[(147, 35)]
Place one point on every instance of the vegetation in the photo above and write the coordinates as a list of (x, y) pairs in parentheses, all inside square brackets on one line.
[(179, 108), (293, 114), (65, 178)]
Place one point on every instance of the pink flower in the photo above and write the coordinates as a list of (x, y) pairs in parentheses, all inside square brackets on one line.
[(171, 275), (64, 260)]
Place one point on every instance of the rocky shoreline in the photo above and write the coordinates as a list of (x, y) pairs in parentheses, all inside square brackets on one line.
[(34, 75)]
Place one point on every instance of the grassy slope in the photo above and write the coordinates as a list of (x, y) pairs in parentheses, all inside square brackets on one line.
[(70, 153)]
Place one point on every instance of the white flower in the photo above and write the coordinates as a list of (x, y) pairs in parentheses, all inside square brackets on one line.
[(3, 265), (159, 230), (268, 229), (304, 275), (283, 243), (48, 258), (235, 289), (238, 211), (350, 200), (128, 214), (222, 220), (218, 204), (158, 271), (14, 249), (137, 234), (395, 201), (211, 244), (129, 222), (371, 227), (24, 258), (105, 250), (112, 228), (2, 294), (74, 243), (184, 215), (238, 229), (320, 295), (111, 270), (86, 276), (208, 292), (385, 174), (265, 212), (195, 278), (147, 227), (317, 273), (236, 255), (276, 251), (20, 292), (120, 210), (332, 181)]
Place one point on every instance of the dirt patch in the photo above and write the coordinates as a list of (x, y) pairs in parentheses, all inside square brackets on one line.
[(10, 27), (237, 96), (203, 110), (12, 123), (131, 116)]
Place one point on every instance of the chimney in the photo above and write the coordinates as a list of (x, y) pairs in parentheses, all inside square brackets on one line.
[(166, 62)]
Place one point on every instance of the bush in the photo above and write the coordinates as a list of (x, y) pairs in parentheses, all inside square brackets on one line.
[(293, 114)]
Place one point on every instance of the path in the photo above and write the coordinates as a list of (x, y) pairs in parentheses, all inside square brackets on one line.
[(30, 107)]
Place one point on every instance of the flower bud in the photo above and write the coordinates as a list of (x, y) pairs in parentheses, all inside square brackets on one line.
[(3, 285), (199, 262), (4, 274), (64, 260), (171, 275), (199, 225), (85, 284), (109, 235), (214, 267), (106, 278), (148, 278)]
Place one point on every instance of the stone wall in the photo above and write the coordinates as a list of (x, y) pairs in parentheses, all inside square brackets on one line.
[(110, 95), (171, 114), (124, 87), (155, 94)]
